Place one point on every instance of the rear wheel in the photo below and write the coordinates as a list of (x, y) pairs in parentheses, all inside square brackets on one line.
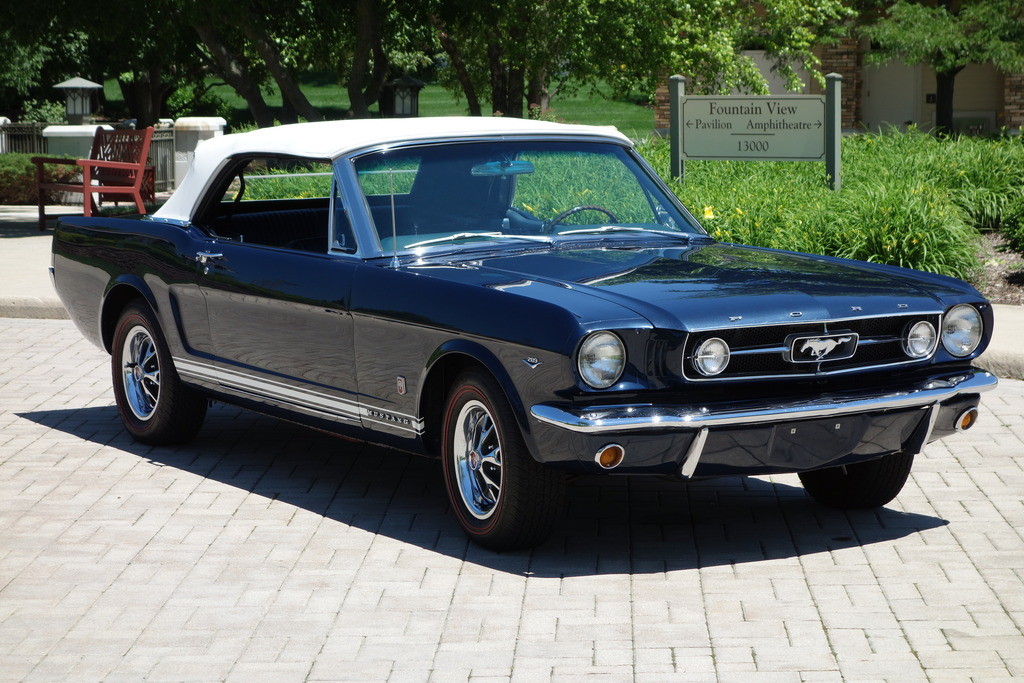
[(860, 485), (502, 497), (155, 407)]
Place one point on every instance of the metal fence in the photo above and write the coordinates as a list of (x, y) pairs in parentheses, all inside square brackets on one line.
[(161, 155), (26, 138)]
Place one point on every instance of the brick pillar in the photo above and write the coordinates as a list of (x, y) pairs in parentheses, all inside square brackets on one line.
[(1013, 101), (661, 107), (844, 58)]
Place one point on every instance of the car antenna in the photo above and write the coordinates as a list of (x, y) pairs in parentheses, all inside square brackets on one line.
[(394, 228)]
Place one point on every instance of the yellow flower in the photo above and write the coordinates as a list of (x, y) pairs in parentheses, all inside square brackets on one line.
[(709, 212)]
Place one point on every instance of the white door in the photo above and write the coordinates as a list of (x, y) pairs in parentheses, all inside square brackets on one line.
[(891, 96)]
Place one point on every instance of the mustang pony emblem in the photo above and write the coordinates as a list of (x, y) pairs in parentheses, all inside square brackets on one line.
[(820, 348)]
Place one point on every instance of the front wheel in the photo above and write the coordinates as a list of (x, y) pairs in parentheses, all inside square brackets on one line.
[(155, 406), (860, 485), (502, 497)]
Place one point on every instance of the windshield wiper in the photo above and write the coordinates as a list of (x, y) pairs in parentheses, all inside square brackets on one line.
[(488, 235), (623, 228)]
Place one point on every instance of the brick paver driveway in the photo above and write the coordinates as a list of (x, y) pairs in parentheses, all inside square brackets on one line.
[(266, 551)]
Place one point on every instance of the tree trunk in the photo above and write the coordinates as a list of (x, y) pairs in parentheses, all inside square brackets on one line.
[(537, 95), (514, 92), (944, 100), (291, 94), (500, 101), (145, 95), (364, 85), (459, 64), (507, 80), (235, 72)]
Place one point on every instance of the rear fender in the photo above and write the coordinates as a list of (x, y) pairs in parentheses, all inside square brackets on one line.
[(120, 292)]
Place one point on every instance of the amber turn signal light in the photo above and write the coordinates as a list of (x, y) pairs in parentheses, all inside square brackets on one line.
[(610, 456)]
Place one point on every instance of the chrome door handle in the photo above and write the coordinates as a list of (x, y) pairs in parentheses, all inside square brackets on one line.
[(204, 258)]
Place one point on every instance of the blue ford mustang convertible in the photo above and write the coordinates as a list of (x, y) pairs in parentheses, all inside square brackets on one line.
[(523, 300)]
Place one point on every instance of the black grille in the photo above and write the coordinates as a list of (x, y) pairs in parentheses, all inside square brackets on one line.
[(763, 351)]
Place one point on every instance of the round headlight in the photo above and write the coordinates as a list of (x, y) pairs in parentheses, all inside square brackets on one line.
[(711, 357), (961, 330), (920, 340), (601, 359)]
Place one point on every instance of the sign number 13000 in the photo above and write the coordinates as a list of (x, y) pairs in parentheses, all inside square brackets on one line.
[(752, 146)]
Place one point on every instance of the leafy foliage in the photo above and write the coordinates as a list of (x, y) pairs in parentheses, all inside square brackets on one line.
[(18, 178), (948, 37), (540, 48), (908, 199), (44, 111)]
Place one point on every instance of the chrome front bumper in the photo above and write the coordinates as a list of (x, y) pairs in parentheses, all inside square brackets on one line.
[(639, 417)]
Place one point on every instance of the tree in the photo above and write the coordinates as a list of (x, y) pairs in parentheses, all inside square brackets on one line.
[(536, 49), (947, 35), (147, 50)]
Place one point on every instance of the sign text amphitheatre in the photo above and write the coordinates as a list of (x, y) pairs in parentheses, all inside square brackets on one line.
[(766, 127)]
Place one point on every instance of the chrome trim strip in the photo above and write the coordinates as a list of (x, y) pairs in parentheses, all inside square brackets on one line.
[(693, 453), (820, 320), (805, 375), (355, 153), (298, 397), (627, 418)]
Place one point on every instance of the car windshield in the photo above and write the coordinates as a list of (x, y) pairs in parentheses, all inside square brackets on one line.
[(513, 192)]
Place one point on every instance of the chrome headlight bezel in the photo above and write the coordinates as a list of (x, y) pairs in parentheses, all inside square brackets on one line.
[(602, 347), (962, 330), (920, 331), (711, 357)]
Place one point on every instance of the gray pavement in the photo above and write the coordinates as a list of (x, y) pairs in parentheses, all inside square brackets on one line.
[(26, 290), (265, 551)]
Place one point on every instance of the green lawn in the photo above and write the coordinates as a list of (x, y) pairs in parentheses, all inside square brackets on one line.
[(591, 106)]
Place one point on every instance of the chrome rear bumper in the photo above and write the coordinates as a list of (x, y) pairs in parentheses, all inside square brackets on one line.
[(638, 417)]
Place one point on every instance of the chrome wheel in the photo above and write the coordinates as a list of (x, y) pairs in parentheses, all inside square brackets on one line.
[(476, 453), (140, 370)]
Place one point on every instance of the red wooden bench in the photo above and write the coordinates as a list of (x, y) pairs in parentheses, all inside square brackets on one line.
[(116, 169)]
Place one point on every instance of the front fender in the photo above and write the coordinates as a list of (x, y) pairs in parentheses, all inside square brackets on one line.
[(457, 354)]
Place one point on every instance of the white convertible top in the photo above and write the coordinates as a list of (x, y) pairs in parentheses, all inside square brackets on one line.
[(332, 139)]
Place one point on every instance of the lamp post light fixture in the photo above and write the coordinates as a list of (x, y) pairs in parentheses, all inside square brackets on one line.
[(400, 98), (79, 94)]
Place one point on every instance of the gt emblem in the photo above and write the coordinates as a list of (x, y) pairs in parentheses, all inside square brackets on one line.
[(819, 348)]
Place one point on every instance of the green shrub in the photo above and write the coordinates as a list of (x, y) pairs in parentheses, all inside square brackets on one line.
[(44, 111), (908, 199), (197, 100), (18, 178), (1013, 224)]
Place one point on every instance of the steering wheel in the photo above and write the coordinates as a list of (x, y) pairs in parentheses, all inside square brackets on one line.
[(550, 225)]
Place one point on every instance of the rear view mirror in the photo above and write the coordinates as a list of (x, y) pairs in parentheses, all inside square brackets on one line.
[(501, 168)]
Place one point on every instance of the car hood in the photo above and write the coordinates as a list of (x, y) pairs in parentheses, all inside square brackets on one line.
[(714, 285)]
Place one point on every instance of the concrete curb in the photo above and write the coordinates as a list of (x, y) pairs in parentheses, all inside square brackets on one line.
[(32, 307)]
